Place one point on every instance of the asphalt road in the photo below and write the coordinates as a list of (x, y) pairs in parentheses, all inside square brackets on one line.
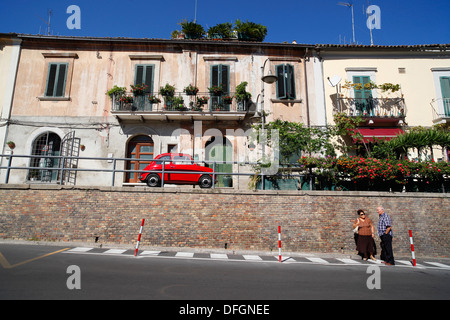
[(42, 272)]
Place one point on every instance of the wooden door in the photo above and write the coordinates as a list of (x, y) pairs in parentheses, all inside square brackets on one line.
[(140, 150)]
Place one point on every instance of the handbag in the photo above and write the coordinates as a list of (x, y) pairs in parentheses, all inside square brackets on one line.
[(356, 230)]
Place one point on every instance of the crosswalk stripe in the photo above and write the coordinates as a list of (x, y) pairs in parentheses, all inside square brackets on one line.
[(150, 253), (79, 249), (317, 260), (258, 258), (114, 251), (185, 254), (376, 262), (437, 264), (348, 261), (218, 256), (251, 257)]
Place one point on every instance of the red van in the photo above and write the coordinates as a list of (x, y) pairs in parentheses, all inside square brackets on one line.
[(174, 162)]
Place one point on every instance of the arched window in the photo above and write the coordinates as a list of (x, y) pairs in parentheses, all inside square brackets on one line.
[(46, 144)]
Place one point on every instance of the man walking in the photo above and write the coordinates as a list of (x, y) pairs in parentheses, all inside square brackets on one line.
[(385, 233)]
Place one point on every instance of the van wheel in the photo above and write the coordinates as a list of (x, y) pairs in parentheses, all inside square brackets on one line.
[(205, 181), (153, 180)]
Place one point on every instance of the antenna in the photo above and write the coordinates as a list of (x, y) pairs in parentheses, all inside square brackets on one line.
[(370, 29), (350, 5), (47, 23), (195, 12)]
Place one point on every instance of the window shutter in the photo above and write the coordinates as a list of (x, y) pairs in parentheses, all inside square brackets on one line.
[(144, 75), (285, 82), (51, 78), (290, 81), (220, 76), (149, 78), (215, 75), (56, 79), (61, 83), (139, 76), (281, 84), (225, 78), (445, 87)]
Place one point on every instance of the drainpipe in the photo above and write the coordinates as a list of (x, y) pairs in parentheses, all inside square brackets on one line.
[(306, 89)]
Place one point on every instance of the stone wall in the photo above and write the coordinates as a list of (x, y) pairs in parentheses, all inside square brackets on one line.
[(311, 221)]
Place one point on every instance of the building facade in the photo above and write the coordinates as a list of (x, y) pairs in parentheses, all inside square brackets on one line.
[(9, 58), (391, 87), (60, 106)]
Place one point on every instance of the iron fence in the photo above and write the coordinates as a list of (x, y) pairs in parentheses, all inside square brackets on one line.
[(289, 177)]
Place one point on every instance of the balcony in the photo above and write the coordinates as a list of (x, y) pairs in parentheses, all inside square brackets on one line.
[(203, 106), (441, 110), (388, 110)]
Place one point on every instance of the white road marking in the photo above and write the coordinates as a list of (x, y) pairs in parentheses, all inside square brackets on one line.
[(185, 254), (80, 249), (114, 251), (317, 260), (251, 257), (218, 256)]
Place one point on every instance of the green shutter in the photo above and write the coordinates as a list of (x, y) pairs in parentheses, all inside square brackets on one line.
[(56, 79), (363, 96), (281, 85), (285, 82), (445, 89), (144, 75), (290, 81), (220, 76)]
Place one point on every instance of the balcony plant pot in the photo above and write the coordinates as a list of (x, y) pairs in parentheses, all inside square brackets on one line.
[(216, 91), (167, 91), (191, 90)]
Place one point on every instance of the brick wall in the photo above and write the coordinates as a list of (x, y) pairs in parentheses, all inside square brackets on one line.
[(312, 221)]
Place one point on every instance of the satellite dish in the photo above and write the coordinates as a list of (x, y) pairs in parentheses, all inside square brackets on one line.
[(334, 81)]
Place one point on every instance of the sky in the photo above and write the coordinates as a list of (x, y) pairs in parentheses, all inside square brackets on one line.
[(401, 22)]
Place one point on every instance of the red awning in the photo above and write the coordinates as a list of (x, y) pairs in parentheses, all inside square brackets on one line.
[(381, 133)]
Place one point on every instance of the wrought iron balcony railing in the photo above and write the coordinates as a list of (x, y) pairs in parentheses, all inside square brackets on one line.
[(372, 107), (180, 102), (441, 109)]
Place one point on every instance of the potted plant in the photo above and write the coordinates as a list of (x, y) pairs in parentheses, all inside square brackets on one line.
[(191, 90), (153, 99), (167, 91), (200, 102), (227, 99), (250, 31), (192, 30), (242, 96), (216, 90), (11, 144), (138, 89), (178, 103), (221, 31), (126, 99), (116, 91)]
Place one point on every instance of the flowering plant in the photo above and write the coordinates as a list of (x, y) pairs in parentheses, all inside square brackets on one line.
[(153, 99), (227, 99), (138, 88), (202, 100), (191, 90), (216, 90), (126, 99), (373, 171)]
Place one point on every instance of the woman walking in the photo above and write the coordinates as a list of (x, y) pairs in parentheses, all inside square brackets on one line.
[(365, 242)]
